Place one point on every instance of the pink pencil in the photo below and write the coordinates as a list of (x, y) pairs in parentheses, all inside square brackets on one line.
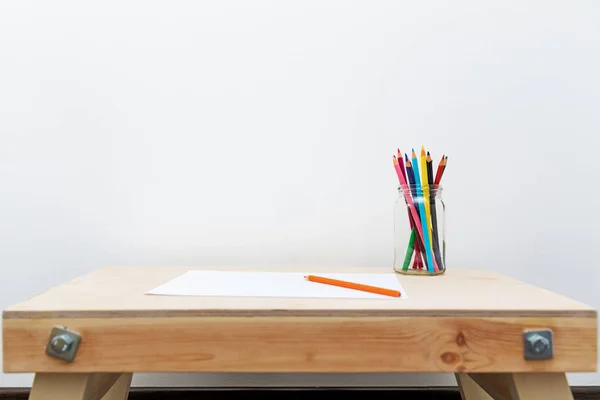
[(401, 163), (409, 201)]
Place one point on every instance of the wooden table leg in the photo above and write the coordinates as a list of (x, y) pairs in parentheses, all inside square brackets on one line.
[(53, 386), (120, 390), (469, 389), (525, 386)]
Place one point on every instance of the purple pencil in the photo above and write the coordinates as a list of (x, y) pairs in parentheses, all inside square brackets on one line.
[(418, 261)]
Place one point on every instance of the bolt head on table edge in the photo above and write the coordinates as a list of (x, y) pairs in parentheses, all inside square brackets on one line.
[(63, 344), (538, 344)]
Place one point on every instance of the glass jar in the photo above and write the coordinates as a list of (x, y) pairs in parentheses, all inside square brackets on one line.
[(419, 231)]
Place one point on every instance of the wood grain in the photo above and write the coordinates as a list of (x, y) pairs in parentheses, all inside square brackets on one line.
[(547, 386), (469, 389), (119, 292), (71, 386), (499, 386), (533, 386), (301, 344), (120, 390)]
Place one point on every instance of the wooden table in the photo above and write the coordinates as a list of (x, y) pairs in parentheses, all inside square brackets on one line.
[(467, 322)]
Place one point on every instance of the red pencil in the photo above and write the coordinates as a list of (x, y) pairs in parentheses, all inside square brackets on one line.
[(444, 169), (440, 171)]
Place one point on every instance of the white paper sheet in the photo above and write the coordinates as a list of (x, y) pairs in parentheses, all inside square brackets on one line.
[(274, 284)]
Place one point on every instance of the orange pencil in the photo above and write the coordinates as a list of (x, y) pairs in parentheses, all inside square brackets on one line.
[(355, 286)]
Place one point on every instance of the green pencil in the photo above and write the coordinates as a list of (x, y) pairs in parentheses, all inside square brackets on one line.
[(409, 251)]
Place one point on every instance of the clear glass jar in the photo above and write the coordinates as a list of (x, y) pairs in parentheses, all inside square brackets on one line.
[(420, 250)]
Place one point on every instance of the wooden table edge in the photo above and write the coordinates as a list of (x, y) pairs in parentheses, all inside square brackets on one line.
[(301, 344), (17, 314)]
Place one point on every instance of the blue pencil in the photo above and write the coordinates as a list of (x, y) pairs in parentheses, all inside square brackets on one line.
[(411, 178), (415, 166)]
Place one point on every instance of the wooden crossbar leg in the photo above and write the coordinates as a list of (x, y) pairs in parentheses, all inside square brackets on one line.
[(53, 386), (120, 390), (525, 386), (469, 389)]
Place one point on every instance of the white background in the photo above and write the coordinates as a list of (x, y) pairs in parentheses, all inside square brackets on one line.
[(261, 133)]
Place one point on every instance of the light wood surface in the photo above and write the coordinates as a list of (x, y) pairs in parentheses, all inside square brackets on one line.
[(469, 389), (120, 390), (499, 386), (301, 344), (534, 386), (464, 321), (119, 292), (71, 386)]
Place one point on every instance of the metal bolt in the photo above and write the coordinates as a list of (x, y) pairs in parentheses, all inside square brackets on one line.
[(62, 343), (538, 344)]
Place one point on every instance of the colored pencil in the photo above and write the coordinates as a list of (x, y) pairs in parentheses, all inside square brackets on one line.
[(411, 241), (426, 196), (410, 250), (407, 197), (429, 169), (444, 240), (413, 245), (445, 164), (433, 212), (421, 261), (441, 168), (425, 232), (352, 285), (401, 163), (418, 262), (410, 172), (438, 174)]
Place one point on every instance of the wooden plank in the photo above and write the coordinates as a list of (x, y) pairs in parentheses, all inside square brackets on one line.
[(71, 386), (499, 386), (119, 292), (120, 390), (302, 344), (520, 386), (547, 386), (469, 389)]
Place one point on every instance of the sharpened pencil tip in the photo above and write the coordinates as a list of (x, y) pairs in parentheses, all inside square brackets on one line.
[(405, 157)]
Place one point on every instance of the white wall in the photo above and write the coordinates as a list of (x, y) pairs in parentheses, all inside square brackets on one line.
[(260, 133)]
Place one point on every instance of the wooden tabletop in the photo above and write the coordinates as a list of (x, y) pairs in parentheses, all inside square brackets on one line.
[(120, 292), (463, 321)]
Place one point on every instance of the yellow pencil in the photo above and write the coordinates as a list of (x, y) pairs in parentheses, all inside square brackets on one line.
[(425, 185)]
